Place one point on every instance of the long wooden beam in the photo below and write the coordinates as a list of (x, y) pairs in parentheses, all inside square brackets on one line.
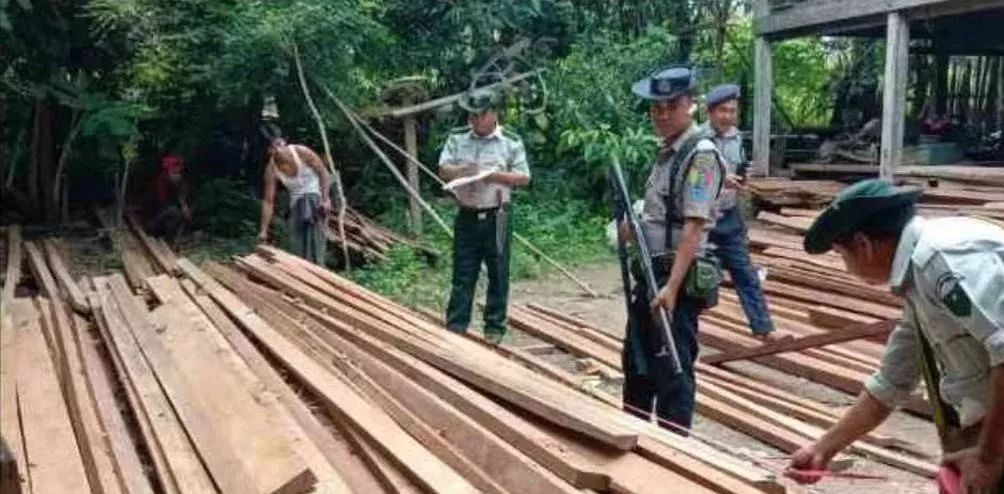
[(502, 468), (12, 276), (450, 352), (45, 419), (63, 278), (511, 427), (243, 422), (122, 447), (803, 16), (400, 316), (182, 468), (445, 100), (10, 426), (94, 449), (153, 249), (425, 468), (162, 472), (879, 329), (325, 456), (897, 60)]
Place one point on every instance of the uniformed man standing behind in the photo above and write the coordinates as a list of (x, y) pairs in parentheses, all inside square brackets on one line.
[(729, 234), (679, 210), (481, 232), (950, 273)]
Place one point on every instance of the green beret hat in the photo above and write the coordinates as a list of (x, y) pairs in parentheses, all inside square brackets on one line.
[(867, 203)]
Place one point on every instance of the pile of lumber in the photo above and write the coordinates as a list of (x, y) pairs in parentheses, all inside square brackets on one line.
[(142, 255), (278, 376), (367, 240), (797, 202), (742, 402)]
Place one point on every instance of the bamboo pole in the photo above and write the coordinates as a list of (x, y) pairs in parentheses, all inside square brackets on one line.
[(327, 154), (387, 161)]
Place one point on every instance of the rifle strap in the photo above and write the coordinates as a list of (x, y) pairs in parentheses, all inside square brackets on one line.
[(946, 419), (680, 164)]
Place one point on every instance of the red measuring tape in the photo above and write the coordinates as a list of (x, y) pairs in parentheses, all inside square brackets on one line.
[(834, 475), (949, 480)]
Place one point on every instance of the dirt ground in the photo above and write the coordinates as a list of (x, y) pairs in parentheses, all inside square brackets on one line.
[(558, 292)]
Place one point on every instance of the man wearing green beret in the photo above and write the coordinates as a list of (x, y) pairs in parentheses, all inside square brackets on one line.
[(491, 161), (950, 274)]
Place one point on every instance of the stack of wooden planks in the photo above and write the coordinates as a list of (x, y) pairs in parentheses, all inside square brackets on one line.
[(367, 240), (948, 191), (742, 402), (278, 376)]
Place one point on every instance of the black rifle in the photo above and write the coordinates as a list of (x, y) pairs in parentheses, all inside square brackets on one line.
[(624, 212)]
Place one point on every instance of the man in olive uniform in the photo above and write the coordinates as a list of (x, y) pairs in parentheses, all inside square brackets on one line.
[(729, 235), (481, 233), (679, 210), (950, 274)]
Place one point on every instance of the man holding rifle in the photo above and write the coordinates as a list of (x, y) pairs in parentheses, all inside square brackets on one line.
[(679, 211)]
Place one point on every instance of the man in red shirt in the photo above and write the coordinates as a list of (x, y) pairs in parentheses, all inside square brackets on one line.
[(172, 213)]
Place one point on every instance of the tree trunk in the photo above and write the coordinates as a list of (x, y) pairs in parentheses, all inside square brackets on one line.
[(123, 187), (33, 160), (1000, 93), (15, 156), (46, 162), (64, 155)]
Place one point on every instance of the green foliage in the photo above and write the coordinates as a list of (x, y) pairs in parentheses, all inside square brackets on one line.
[(407, 277), (225, 208), (803, 80), (202, 249), (566, 230), (333, 37), (593, 118)]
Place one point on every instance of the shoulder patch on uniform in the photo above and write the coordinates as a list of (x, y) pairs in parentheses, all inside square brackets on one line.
[(953, 296), (700, 182)]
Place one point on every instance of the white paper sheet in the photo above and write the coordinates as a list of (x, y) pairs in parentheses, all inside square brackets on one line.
[(459, 182)]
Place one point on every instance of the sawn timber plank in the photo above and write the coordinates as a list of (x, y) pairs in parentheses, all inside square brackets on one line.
[(45, 420), (424, 468), (513, 428), (183, 469), (10, 426), (128, 466), (91, 440), (63, 278), (311, 440), (233, 399), (456, 355)]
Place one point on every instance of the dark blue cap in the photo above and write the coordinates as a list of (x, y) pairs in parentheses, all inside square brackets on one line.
[(721, 94), (666, 84)]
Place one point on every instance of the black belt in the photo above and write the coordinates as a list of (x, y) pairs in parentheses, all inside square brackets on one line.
[(479, 210)]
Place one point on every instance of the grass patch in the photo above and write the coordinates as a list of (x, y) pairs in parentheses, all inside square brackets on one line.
[(566, 231)]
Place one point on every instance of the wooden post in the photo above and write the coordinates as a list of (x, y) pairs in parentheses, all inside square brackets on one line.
[(1000, 94), (762, 106), (411, 145), (894, 92), (941, 62)]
